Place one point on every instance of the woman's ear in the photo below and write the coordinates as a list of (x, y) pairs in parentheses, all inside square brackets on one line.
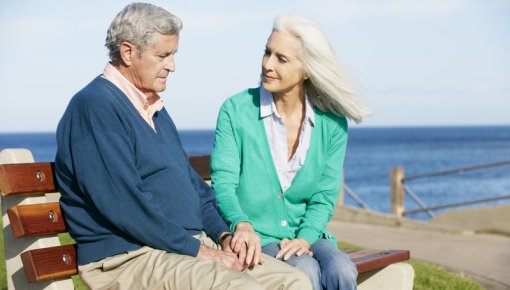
[(127, 52), (306, 76)]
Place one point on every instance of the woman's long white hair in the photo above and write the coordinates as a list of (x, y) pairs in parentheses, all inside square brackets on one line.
[(328, 86)]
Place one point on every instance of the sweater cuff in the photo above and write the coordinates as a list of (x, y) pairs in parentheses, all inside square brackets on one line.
[(309, 234), (191, 248), (237, 220), (217, 232)]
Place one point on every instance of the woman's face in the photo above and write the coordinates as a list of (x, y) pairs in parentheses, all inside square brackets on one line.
[(282, 71)]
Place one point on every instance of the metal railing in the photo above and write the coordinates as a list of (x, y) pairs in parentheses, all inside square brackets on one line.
[(355, 197), (399, 188)]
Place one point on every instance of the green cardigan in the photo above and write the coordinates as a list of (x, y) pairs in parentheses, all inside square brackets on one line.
[(246, 185)]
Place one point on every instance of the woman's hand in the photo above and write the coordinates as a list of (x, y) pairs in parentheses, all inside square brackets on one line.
[(296, 247), (246, 243)]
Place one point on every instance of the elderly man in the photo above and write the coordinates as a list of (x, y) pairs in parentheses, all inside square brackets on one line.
[(141, 217)]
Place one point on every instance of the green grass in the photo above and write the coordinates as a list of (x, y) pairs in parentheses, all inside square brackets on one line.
[(427, 276), (64, 240), (430, 276), (3, 281)]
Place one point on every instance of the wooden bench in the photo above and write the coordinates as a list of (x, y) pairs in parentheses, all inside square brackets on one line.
[(47, 262)]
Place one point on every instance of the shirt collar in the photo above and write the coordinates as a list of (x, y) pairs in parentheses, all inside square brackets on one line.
[(267, 106), (134, 94), (266, 103), (309, 113)]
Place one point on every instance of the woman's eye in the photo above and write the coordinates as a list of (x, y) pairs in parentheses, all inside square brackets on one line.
[(282, 59), (267, 52)]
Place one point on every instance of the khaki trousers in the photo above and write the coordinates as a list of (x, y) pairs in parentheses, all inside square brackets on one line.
[(148, 268)]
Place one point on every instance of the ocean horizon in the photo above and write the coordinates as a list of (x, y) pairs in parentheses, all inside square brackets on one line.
[(372, 152)]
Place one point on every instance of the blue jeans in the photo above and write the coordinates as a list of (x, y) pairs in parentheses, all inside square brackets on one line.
[(329, 268)]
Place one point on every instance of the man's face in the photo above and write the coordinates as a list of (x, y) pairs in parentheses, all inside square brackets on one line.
[(149, 70)]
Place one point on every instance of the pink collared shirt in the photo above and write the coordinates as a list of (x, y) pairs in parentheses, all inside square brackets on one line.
[(137, 98), (277, 138)]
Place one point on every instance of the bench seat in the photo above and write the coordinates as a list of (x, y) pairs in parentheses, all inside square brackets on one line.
[(45, 219)]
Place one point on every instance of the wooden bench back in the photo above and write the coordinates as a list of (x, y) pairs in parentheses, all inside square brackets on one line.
[(45, 219), (42, 219)]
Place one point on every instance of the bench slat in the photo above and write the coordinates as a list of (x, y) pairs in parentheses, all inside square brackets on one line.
[(50, 263), (38, 177), (201, 165), (36, 219), (368, 260), (23, 178)]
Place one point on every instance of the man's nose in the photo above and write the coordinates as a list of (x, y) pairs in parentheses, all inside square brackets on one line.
[(170, 65)]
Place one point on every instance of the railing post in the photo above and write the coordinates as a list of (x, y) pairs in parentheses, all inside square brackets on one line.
[(397, 191)]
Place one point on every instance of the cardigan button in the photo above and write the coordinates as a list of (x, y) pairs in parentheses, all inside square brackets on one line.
[(283, 223), (280, 195)]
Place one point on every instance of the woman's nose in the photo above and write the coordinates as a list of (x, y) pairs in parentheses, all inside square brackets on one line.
[(267, 63)]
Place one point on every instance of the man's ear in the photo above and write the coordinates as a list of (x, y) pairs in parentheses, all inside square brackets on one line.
[(127, 52)]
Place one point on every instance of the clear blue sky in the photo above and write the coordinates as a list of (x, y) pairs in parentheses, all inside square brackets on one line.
[(416, 62)]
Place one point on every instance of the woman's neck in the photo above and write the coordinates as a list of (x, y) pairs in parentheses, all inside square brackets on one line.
[(289, 103)]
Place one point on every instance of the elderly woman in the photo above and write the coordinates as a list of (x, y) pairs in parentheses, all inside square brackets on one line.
[(278, 155)]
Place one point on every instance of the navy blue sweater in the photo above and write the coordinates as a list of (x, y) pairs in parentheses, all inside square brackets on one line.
[(124, 185)]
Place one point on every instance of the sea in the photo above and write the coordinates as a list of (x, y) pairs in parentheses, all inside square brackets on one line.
[(373, 152)]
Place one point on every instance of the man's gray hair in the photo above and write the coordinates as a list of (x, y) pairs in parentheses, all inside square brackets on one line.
[(138, 24)]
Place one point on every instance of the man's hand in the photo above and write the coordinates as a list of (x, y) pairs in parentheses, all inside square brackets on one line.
[(297, 246), (225, 258), (246, 243)]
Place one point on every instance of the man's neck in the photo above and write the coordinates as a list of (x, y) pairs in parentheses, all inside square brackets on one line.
[(126, 72)]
